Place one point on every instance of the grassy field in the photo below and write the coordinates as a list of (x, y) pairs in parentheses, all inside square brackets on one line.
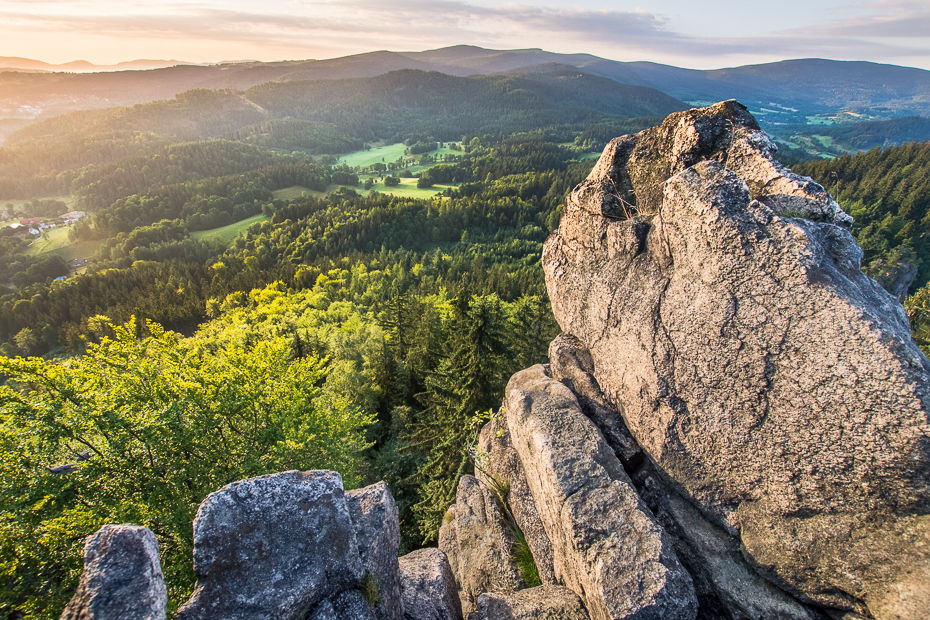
[(365, 158), (58, 243), (407, 189), (18, 204), (228, 234), (296, 191), (386, 154)]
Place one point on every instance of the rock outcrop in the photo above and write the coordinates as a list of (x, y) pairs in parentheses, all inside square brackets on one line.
[(377, 532), (476, 539), (773, 385), (500, 467), (540, 603), (428, 586), (275, 546), (606, 544), (122, 577)]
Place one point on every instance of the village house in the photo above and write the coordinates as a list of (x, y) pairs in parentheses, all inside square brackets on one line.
[(72, 216)]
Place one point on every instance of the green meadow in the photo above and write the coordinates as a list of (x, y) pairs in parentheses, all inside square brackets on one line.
[(227, 234), (58, 243), (387, 154)]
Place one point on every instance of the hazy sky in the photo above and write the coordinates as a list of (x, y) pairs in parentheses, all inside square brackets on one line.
[(689, 33)]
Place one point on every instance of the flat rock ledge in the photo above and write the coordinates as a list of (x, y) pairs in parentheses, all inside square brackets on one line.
[(540, 603)]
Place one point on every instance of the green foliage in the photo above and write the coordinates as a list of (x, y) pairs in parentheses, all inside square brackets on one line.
[(523, 557), (469, 377), (370, 589), (918, 311), (145, 428)]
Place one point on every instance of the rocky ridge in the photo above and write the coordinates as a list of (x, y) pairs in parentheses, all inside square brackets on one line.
[(733, 424)]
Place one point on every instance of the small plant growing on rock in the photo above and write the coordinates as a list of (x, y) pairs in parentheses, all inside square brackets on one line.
[(370, 590)]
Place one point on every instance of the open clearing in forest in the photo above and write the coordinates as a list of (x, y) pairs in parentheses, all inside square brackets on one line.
[(297, 191), (18, 204), (58, 243), (388, 154), (227, 234), (407, 189)]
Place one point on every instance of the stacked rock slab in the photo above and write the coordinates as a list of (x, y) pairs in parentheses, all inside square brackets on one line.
[(726, 587), (478, 542), (122, 577), (606, 545), (774, 385), (428, 586), (540, 603), (377, 531), (501, 468)]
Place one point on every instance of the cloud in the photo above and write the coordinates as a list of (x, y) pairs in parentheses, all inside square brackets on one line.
[(876, 30), (882, 19)]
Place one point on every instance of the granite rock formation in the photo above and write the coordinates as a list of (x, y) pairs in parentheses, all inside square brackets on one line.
[(540, 603), (773, 385), (377, 532), (476, 539), (122, 577), (428, 586), (294, 545)]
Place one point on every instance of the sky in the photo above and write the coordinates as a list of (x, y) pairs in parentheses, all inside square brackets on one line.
[(699, 34)]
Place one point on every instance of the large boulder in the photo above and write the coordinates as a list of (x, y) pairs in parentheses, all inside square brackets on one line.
[(428, 586), (377, 530), (122, 578), (478, 542), (540, 603), (607, 547), (774, 385), (275, 546)]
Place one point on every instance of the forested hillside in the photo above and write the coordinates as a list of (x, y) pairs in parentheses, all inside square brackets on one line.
[(411, 312), (332, 116)]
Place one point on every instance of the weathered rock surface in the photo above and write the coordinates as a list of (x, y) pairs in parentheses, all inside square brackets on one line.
[(478, 543), (775, 386), (540, 603), (377, 530), (122, 578), (348, 605), (606, 545), (274, 546), (727, 587), (571, 363), (428, 586), (504, 467)]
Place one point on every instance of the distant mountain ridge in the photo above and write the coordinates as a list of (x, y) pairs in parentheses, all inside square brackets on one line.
[(783, 95), (8, 63)]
